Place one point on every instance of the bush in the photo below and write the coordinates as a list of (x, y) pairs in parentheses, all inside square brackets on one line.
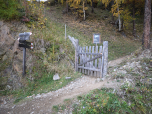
[(8, 9)]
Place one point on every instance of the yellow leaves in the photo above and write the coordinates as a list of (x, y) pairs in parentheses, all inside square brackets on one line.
[(86, 8), (62, 1), (106, 2), (80, 11), (36, 10), (79, 6)]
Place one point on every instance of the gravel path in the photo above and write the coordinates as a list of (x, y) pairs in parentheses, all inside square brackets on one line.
[(42, 103)]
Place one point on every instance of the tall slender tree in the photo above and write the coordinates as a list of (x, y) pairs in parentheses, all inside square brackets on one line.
[(133, 15), (92, 6), (147, 25)]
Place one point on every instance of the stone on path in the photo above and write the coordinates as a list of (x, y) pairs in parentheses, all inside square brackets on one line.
[(67, 78)]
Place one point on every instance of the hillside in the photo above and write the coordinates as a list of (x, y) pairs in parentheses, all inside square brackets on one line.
[(128, 80), (37, 92)]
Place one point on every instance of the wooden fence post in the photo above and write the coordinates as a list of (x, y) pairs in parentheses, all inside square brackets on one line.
[(105, 62), (76, 54)]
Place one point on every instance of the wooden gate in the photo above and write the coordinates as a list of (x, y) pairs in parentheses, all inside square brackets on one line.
[(91, 60)]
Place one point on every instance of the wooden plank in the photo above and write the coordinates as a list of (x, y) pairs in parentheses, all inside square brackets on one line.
[(88, 68), (83, 58), (89, 53), (80, 50), (73, 41), (102, 64), (105, 48), (100, 51), (89, 62), (92, 61), (86, 58), (99, 63), (76, 55), (95, 73)]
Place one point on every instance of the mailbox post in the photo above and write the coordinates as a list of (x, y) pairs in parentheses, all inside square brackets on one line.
[(24, 44), (24, 61)]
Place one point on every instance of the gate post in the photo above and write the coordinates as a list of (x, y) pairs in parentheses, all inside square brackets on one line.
[(105, 60), (76, 54)]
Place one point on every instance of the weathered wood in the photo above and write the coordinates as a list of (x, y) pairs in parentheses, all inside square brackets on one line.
[(76, 55), (86, 58), (92, 61), (89, 53), (73, 41), (99, 61), (105, 48), (80, 61), (83, 58), (92, 69), (89, 62), (95, 73), (96, 59), (100, 51), (102, 64)]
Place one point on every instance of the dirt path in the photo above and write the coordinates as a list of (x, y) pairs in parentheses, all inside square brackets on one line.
[(42, 104), (118, 61)]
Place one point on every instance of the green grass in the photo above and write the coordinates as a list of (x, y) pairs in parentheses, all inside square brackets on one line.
[(118, 45), (104, 101), (43, 82), (136, 100), (100, 101), (53, 34)]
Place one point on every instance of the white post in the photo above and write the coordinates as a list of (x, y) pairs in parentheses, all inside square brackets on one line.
[(76, 55), (105, 59)]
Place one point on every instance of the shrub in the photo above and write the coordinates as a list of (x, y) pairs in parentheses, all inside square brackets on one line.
[(8, 9)]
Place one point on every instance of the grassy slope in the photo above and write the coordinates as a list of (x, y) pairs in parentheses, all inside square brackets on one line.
[(118, 46), (82, 30)]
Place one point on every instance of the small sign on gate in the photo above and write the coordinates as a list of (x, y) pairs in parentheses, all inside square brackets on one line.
[(96, 38)]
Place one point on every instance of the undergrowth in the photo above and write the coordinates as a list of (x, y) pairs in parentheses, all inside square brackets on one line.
[(43, 82), (130, 98), (104, 101)]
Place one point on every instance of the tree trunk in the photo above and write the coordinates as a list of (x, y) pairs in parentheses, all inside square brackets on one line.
[(67, 6), (134, 30), (84, 10), (147, 25), (118, 16), (92, 7), (112, 3)]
